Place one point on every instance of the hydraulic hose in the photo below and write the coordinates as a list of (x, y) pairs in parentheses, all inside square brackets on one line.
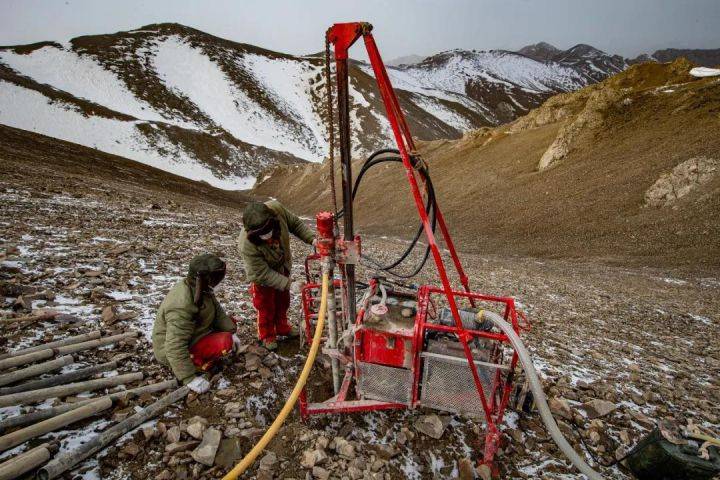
[(393, 155), (252, 455), (539, 396)]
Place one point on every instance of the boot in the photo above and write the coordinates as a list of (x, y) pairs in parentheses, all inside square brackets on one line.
[(293, 333)]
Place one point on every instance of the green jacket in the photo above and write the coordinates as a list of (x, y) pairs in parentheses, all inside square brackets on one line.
[(266, 264), (179, 324)]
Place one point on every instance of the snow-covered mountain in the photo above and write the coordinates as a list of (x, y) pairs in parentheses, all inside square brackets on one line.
[(220, 111), (405, 60), (595, 65), (501, 83)]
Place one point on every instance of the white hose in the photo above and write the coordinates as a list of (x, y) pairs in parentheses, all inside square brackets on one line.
[(539, 396), (383, 292)]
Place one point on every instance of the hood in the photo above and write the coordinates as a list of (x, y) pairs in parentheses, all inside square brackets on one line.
[(256, 215)]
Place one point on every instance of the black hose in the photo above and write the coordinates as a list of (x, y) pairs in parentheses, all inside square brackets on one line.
[(429, 210), (429, 206)]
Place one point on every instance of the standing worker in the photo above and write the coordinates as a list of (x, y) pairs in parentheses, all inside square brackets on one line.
[(264, 245), (192, 331)]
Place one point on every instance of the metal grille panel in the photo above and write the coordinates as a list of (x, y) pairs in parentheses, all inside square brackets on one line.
[(389, 384), (448, 384)]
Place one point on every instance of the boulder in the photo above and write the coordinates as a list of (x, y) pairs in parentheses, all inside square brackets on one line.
[(205, 452), (268, 462), (312, 457), (431, 425), (320, 473), (109, 316), (252, 362), (228, 454), (173, 434), (177, 447), (344, 448), (560, 407), (598, 408), (196, 427)]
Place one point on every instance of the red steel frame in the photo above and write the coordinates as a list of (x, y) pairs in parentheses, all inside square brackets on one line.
[(342, 36)]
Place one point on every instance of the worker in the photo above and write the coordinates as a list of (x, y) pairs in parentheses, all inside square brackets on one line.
[(264, 245), (192, 332)]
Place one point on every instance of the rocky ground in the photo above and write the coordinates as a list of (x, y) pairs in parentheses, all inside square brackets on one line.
[(619, 348)]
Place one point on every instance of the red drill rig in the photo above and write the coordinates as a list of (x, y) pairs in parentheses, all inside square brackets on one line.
[(399, 347)]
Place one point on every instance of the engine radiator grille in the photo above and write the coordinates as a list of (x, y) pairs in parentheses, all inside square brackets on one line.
[(448, 384), (389, 384)]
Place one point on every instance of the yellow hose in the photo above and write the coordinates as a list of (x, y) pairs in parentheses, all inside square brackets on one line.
[(292, 399)]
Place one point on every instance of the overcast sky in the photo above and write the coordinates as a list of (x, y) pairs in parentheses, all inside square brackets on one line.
[(402, 27)]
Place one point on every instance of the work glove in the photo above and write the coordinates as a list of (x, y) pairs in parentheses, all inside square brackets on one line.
[(199, 385), (236, 343), (297, 286)]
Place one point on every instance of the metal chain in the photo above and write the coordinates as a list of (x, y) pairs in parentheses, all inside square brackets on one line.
[(331, 126)]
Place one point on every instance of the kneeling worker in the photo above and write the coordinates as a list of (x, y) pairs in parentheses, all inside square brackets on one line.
[(264, 245), (191, 330)]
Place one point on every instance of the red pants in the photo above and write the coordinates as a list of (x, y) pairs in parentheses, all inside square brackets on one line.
[(272, 306), (210, 348)]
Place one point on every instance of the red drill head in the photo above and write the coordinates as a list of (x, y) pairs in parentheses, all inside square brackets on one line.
[(325, 222), (326, 237)]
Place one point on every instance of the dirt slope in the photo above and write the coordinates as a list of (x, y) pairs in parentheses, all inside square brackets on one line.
[(65, 163), (578, 176), (79, 234)]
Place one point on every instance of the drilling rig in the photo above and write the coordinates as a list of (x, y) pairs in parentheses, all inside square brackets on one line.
[(396, 347), (401, 346)]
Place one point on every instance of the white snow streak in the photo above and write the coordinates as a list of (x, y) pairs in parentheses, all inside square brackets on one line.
[(30, 110)]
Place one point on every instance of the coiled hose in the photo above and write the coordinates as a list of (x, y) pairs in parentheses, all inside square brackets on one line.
[(245, 463), (390, 155), (539, 396)]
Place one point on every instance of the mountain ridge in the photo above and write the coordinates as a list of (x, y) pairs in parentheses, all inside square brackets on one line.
[(221, 111)]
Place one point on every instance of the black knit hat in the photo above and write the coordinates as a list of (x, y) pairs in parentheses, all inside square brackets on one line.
[(256, 217), (206, 263)]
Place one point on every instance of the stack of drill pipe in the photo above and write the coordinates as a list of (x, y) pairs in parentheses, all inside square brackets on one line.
[(69, 389), (51, 424), (58, 343), (46, 353), (23, 463), (68, 459), (38, 415), (59, 379), (100, 342), (35, 370)]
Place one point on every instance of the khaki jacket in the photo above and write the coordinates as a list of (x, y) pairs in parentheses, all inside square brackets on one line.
[(179, 324), (269, 265)]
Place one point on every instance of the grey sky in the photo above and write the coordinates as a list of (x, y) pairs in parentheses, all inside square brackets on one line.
[(628, 27)]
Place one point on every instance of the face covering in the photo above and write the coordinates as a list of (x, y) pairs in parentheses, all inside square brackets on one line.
[(267, 236)]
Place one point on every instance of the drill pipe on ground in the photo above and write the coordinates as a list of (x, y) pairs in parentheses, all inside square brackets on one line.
[(29, 318), (38, 415), (58, 343), (25, 359), (70, 389), (35, 370), (51, 424), (23, 463), (67, 460), (100, 342), (59, 379)]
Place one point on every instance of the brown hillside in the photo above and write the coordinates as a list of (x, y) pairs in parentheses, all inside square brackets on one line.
[(634, 172), (61, 164)]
